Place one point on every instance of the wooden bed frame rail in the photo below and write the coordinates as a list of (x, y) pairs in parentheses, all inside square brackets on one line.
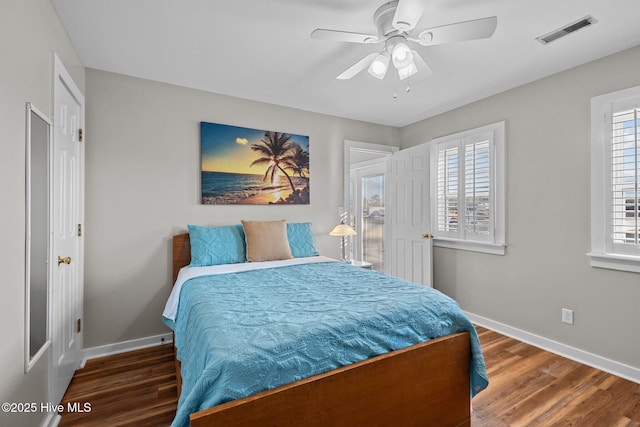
[(409, 387), (423, 385)]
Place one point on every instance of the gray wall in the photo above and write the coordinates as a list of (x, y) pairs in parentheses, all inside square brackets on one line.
[(142, 181), (142, 178), (548, 216), (30, 33)]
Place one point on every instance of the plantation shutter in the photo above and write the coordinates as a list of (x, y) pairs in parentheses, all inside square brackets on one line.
[(464, 188), (477, 167), (615, 180), (448, 189), (625, 179), (468, 187)]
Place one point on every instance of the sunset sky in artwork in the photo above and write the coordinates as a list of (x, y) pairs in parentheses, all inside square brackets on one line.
[(228, 148)]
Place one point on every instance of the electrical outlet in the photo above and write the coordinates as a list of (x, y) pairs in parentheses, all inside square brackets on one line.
[(567, 316)]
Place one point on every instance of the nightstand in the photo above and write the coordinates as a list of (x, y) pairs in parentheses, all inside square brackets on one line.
[(362, 264)]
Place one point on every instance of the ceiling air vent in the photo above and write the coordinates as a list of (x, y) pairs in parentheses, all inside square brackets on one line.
[(567, 29)]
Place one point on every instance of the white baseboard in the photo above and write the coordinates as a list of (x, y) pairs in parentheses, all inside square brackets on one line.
[(611, 366), (121, 347)]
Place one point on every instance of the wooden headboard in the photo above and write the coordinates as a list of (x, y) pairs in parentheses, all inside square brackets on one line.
[(181, 253)]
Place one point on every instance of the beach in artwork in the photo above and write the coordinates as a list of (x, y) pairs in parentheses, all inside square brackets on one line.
[(220, 188), (253, 167)]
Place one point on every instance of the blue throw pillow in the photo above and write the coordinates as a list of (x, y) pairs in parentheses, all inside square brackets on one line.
[(216, 245), (301, 240)]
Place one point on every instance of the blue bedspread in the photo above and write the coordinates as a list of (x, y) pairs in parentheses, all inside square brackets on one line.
[(240, 333)]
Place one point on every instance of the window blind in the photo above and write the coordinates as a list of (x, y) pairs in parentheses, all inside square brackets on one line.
[(468, 189), (625, 177), (447, 189), (464, 188), (477, 187)]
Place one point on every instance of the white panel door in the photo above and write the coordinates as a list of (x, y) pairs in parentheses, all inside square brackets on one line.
[(67, 211), (411, 257)]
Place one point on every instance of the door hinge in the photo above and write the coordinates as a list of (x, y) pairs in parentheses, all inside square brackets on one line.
[(79, 326), (80, 135), (79, 230)]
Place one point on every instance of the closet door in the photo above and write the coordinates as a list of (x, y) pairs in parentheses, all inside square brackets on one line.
[(67, 210)]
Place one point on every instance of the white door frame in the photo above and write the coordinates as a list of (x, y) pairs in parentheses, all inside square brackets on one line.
[(367, 147), (62, 84)]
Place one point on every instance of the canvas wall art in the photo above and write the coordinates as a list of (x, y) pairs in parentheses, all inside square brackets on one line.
[(253, 167)]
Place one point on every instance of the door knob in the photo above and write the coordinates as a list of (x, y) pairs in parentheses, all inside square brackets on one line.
[(65, 260), (426, 236)]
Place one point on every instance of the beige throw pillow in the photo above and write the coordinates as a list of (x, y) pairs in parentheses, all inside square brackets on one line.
[(266, 240)]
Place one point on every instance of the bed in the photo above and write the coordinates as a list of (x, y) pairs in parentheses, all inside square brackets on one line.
[(291, 342)]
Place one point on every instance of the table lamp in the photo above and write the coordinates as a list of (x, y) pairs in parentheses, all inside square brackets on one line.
[(343, 230)]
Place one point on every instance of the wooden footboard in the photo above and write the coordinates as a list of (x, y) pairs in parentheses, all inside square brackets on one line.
[(423, 385)]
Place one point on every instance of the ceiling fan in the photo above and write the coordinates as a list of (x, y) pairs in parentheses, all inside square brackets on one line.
[(395, 22)]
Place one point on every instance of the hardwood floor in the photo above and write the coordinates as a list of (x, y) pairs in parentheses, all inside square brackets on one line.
[(532, 387), (136, 388), (528, 387)]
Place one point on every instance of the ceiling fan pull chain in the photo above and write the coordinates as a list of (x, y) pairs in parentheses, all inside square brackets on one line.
[(395, 84)]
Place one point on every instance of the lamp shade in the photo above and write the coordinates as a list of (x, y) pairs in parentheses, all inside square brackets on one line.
[(379, 65), (407, 71), (401, 55), (342, 230)]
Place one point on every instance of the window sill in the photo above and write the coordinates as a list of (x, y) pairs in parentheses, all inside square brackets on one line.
[(465, 245), (615, 261)]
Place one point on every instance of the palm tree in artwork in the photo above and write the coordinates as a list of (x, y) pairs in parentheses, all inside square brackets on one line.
[(274, 147), (297, 161)]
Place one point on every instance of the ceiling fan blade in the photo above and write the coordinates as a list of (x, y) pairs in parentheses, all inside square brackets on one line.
[(468, 30), (343, 36), (423, 69), (357, 67), (408, 13)]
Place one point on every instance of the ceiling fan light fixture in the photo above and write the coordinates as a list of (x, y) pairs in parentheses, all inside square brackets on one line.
[(379, 65), (401, 55), (407, 71), (395, 21)]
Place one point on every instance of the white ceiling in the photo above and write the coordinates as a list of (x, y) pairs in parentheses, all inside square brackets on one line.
[(261, 49)]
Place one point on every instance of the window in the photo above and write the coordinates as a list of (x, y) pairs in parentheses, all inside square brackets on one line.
[(468, 183), (372, 218), (615, 180)]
